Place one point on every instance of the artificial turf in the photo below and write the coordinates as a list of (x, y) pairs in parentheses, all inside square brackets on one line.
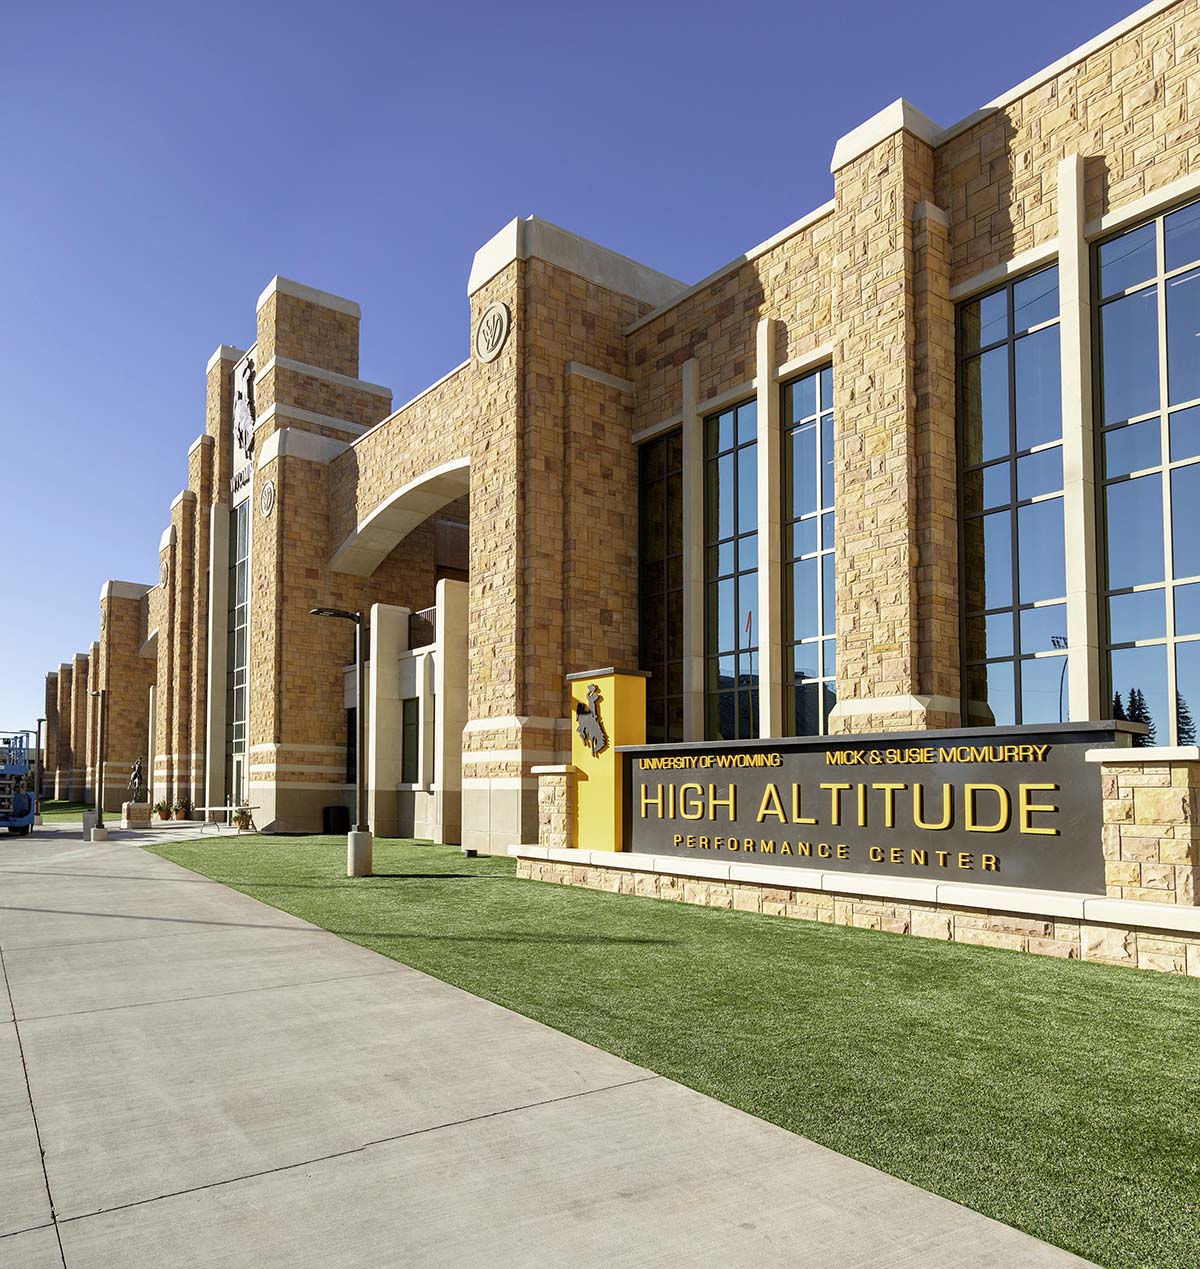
[(1058, 1097), (53, 812)]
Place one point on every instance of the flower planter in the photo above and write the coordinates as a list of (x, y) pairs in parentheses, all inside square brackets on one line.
[(164, 815), (181, 815)]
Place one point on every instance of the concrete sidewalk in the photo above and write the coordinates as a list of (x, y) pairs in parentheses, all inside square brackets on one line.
[(214, 1082)]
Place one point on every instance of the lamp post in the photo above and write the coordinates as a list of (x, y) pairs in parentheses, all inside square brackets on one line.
[(100, 833), (358, 840), (1060, 641), (37, 778)]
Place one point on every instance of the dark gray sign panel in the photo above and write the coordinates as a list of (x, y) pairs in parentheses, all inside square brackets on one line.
[(1012, 806)]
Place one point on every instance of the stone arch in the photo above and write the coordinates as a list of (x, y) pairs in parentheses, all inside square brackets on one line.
[(374, 538)]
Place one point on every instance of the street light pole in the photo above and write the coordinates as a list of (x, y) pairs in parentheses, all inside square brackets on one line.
[(358, 841), (100, 833)]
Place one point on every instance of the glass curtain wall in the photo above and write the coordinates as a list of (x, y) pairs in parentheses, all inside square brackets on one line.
[(1148, 405), (810, 670), (237, 652), (660, 584), (1013, 557), (731, 573)]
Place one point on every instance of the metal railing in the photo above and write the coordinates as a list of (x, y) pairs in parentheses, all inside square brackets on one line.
[(422, 628)]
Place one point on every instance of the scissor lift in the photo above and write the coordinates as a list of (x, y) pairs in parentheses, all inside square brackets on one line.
[(18, 797)]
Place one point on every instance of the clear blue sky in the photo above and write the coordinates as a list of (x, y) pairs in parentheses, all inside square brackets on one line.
[(163, 162)]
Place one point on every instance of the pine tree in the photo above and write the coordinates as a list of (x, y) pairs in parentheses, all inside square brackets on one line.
[(1184, 721), (1139, 712), (1118, 710)]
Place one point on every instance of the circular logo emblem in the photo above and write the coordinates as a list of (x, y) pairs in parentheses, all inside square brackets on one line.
[(491, 332), (266, 499), (163, 573)]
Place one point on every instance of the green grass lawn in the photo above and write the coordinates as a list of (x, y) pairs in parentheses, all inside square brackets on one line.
[(1058, 1097), (56, 812)]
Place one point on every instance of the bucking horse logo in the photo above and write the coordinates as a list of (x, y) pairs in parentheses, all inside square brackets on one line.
[(587, 722)]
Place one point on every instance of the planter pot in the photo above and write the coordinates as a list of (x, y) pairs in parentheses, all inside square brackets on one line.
[(164, 815), (181, 815), (241, 821)]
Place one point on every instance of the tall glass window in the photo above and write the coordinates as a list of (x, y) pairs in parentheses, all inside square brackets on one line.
[(808, 529), (237, 651), (1148, 407), (660, 584), (731, 572), (1013, 534)]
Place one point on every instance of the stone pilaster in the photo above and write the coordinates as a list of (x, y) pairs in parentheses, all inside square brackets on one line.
[(1151, 823), (556, 806)]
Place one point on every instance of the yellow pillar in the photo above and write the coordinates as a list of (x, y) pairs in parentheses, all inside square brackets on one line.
[(608, 709)]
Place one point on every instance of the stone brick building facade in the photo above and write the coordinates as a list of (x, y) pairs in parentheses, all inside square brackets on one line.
[(844, 349)]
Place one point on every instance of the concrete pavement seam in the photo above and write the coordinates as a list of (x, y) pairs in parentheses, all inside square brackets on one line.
[(32, 1110), (359, 1149), (213, 995)]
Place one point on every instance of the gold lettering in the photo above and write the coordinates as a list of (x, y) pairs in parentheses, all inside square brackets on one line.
[(697, 811), (691, 842), (727, 802), (797, 818), (804, 848), (843, 851), (919, 807), (896, 855), (942, 856), (1027, 808), (862, 806), (747, 843), (964, 859), (889, 802), (765, 847), (823, 850), (670, 801), (991, 863), (875, 854), (775, 807), (655, 801), (677, 840), (1003, 815), (785, 849), (835, 801), (919, 857)]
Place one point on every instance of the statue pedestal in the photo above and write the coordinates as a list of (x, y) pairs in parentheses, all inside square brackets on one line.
[(135, 815)]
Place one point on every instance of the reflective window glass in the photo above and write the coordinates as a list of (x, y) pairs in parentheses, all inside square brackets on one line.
[(1185, 433), (1185, 499), (997, 548), (1044, 690), (1181, 236), (1187, 690), (1129, 355), (1043, 629), (1136, 615), (1035, 299), (1040, 473), (1132, 448), (1139, 680), (985, 321), (810, 606), (1133, 521), (1183, 337), (1127, 261), (1187, 609), (985, 406), (1041, 551), (1038, 388)]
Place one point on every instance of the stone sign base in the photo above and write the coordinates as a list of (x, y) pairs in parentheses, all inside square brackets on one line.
[(1110, 931), (135, 815)]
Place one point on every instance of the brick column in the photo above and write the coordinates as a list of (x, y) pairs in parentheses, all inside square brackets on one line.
[(893, 337), (50, 737), (61, 786), (1151, 823), (556, 806)]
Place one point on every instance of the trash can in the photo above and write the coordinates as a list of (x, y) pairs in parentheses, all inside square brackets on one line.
[(335, 819)]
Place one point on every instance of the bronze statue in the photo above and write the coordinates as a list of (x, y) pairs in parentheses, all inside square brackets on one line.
[(135, 782)]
